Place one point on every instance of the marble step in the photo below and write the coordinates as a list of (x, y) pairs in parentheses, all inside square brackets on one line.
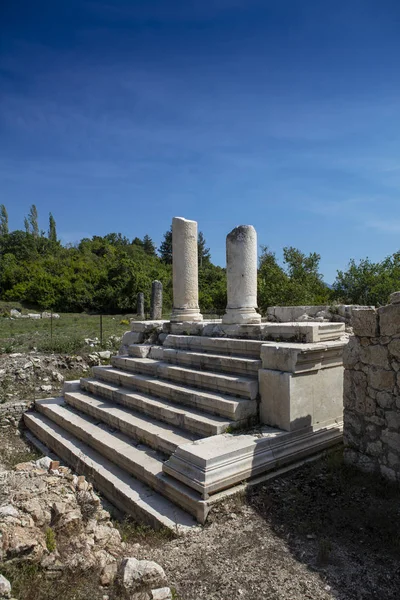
[(237, 365), (130, 494), (237, 385), (227, 406), (227, 346), (140, 427), (200, 423)]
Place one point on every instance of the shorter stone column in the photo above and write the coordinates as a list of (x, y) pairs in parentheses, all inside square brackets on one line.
[(156, 301), (140, 305), (185, 271), (241, 274)]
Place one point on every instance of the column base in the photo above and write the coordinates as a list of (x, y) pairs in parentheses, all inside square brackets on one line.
[(181, 315), (239, 316)]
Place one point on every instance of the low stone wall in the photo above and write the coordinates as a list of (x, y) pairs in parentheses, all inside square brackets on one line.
[(11, 413), (337, 313), (372, 391)]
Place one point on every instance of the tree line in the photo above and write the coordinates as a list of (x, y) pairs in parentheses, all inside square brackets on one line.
[(105, 273)]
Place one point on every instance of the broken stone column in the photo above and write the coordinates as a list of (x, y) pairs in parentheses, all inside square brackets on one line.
[(185, 271), (140, 305), (156, 301), (241, 273)]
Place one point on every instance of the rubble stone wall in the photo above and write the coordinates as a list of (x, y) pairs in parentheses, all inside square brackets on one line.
[(11, 413), (372, 391)]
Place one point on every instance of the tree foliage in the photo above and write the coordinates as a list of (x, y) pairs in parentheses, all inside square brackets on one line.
[(367, 282), (3, 220), (297, 282), (33, 221), (166, 247), (52, 229)]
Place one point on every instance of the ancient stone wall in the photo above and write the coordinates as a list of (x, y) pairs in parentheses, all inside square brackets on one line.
[(372, 391)]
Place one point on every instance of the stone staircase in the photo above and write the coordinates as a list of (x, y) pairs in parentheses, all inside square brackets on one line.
[(121, 425)]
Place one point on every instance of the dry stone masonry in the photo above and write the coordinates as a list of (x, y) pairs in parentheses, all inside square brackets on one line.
[(372, 391)]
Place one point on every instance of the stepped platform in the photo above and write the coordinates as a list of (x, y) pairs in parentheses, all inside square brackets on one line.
[(170, 424)]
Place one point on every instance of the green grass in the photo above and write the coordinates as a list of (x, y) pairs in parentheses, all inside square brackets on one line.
[(63, 335)]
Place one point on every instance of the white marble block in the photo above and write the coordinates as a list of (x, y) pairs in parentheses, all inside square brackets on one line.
[(301, 385), (241, 273), (185, 271)]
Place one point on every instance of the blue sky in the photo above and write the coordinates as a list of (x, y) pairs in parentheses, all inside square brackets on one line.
[(119, 115)]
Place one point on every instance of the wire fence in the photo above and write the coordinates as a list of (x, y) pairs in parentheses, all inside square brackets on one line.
[(69, 333)]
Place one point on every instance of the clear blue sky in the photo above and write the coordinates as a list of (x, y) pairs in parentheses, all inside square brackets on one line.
[(119, 115)]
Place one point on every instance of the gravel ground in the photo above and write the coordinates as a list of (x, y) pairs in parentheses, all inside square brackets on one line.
[(322, 532)]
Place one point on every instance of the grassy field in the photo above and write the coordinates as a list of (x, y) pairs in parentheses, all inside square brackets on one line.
[(64, 335)]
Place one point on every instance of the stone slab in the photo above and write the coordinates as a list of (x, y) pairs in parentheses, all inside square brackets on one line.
[(299, 358), (213, 464)]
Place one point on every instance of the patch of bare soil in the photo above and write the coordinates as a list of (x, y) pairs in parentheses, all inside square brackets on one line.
[(324, 531)]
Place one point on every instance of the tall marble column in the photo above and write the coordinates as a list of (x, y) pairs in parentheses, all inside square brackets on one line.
[(140, 305), (241, 273), (156, 301), (185, 271)]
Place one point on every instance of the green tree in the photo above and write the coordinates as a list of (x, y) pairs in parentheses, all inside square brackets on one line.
[(367, 282), (3, 220), (33, 221), (149, 246), (26, 225), (52, 229), (166, 247), (204, 255)]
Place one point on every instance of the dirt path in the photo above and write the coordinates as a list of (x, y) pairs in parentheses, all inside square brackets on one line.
[(322, 532)]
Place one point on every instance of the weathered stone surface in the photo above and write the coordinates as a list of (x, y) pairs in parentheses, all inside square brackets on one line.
[(185, 271), (394, 348), (389, 319), (161, 594), (156, 300), (394, 298), (380, 379), (241, 273), (376, 356), (5, 587), (351, 353), (135, 573), (393, 419), (140, 305), (365, 322)]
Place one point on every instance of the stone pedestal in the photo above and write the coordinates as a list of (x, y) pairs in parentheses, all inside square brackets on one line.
[(185, 271), (241, 273), (301, 385), (156, 301), (140, 305)]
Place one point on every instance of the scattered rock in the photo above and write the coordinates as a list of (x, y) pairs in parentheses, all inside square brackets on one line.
[(136, 573), (5, 587)]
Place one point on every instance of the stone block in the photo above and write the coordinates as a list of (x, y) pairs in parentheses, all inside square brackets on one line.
[(376, 356), (384, 399), (393, 419), (365, 322), (394, 348), (351, 353), (381, 380), (293, 401), (389, 319), (394, 298), (299, 358), (132, 337), (392, 439), (355, 390)]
